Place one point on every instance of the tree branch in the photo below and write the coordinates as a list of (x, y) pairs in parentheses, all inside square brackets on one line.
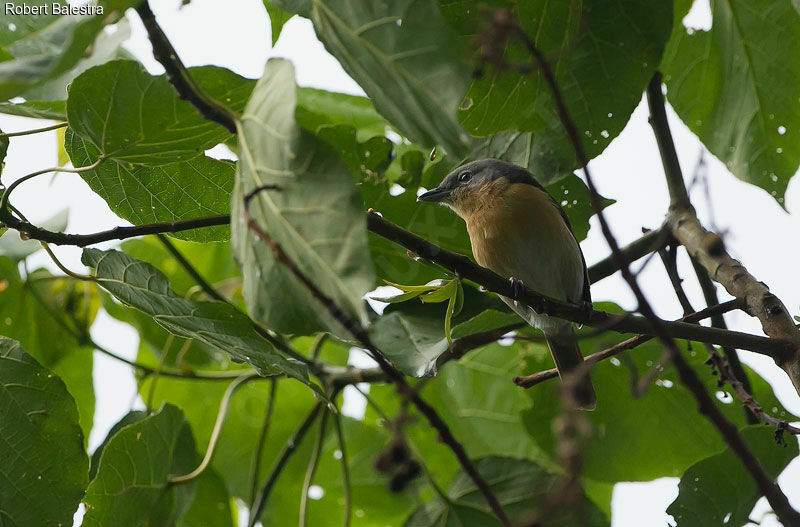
[(179, 77), (649, 242), (465, 268), (708, 248), (30, 231), (544, 375)]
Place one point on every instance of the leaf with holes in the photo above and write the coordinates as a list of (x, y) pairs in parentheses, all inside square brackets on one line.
[(737, 86), (603, 53), (134, 117), (217, 324), (183, 190), (44, 463), (315, 214), (719, 491)]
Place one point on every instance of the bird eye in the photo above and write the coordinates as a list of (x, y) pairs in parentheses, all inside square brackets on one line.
[(464, 176)]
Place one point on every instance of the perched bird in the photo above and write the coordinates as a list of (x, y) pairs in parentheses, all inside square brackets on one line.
[(519, 231)]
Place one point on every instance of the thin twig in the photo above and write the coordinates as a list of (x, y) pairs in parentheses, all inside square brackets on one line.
[(532, 380), (222, 414), (179, 77), (262, 441), (291, 446), (35, 131), (348, 498), (189, 268), (312, 468), (23, 179)]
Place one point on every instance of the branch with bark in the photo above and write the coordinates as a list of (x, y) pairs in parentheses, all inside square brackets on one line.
[(708, 248)]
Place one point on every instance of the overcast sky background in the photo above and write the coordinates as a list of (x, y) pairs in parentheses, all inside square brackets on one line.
[(235, 34)]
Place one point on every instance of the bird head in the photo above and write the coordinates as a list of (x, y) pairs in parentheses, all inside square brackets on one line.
[(467, 187)]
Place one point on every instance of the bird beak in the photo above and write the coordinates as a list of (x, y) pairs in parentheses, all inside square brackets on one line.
[(436, 195)]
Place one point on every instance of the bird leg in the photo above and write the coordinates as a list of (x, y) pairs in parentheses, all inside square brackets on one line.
[(517, 287)]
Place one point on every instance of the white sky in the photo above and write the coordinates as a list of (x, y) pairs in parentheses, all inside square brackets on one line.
[(235, 34)]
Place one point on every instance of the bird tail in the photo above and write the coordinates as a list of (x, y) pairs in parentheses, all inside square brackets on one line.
[(567, 356)]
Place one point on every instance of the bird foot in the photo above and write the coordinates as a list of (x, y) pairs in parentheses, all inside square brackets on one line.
[(517, 287)]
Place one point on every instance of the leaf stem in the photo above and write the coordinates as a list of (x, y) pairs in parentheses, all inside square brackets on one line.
[(35, 131), (222, 414), (312, 467), (262, 440)]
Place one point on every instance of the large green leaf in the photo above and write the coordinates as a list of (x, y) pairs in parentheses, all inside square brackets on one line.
[(47, 315), (131, 485), (523, 489), (603, 53), (217, 324), (737, 87), (132, 116), (49, 46), (404, 56), (44, 465), (719, 491), (315, 215), (182, 190)]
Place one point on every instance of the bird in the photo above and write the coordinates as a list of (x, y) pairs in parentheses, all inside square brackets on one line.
[(520, 232)]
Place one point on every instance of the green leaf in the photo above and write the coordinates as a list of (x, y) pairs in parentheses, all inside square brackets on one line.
[(316, 216), (182, 190), (485, 321), (216, 324), (737, 87), (46, 315), (55, 110), (134, 416), (523, 489), (48, 52), (603, 53), (277, 19), (403, 55), (317, 108), (211, 505), (131, 485), (44, 462), (573, 196), (719, 491), (132, 116), (412, 343), (412, 335)]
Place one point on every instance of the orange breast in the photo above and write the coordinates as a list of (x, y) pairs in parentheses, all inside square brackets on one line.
[(519, 232)]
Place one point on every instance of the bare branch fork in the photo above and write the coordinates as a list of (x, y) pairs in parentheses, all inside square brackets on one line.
[(396, 376), (504, 24), (708, 249)]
